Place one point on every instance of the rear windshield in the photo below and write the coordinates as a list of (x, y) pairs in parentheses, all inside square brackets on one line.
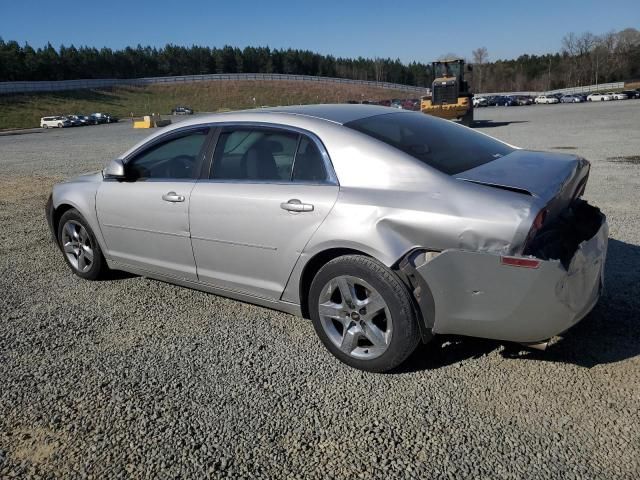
[(438, 143)]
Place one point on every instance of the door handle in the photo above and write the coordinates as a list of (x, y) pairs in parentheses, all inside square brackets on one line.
[(172, 197), (295, 205)]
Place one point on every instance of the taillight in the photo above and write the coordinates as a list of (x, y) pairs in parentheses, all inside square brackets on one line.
[(520, 262), (537, 225), (539, 220)]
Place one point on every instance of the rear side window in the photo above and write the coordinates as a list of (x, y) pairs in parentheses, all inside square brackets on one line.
[(309, 164), (439, 144), (254, 155), (267, 155)]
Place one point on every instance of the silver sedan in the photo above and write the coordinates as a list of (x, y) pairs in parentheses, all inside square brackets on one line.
[(382, 226)]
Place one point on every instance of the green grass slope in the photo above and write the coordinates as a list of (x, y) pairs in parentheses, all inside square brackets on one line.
[(25, 110)]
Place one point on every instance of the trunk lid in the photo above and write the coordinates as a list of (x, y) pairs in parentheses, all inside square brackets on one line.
[(555, 178)]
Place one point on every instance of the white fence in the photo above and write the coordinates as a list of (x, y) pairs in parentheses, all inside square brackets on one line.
[(586, 89), (25, 87)]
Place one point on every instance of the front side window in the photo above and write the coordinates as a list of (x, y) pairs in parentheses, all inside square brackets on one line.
[(176, 158), (437, 143)]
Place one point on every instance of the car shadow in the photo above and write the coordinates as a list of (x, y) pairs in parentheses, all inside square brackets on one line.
[(609, 334), (116, 275), (491, 123)]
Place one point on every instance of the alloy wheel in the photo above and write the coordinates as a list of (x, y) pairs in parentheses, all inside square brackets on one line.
[(355, 317), (77, 246)]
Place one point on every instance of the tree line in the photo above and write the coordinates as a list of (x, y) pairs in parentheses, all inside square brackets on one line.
[(583, 60), (23, 62)]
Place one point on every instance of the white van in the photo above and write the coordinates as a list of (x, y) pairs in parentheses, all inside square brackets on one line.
[(57, 121)]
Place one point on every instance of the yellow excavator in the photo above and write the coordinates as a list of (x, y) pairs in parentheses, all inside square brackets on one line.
[(450, 96)]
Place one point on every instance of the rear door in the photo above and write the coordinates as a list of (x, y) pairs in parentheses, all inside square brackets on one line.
[(145, 219), (267, 192)]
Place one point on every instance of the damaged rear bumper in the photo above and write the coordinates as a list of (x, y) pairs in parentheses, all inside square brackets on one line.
[(476, 294)]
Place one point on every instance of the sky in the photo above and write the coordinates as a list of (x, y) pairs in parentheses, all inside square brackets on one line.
[(410, 30)]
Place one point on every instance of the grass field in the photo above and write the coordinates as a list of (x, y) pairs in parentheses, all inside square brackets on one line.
[(25, 110)]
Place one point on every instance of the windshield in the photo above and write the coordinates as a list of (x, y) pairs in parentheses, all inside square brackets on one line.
[(447, 70), (437, 143)]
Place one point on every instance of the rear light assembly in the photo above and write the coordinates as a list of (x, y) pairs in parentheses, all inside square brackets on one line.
[(540, 218), (520, 262), (538, 222)]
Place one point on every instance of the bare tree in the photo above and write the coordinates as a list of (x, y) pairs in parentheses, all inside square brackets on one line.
[(378, 66), (480, 56)]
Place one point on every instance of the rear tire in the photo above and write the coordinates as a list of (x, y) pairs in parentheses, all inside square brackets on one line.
[(79, 246), (372, 326)]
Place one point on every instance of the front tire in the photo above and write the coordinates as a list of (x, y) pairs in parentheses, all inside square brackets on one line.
[(363, 313), (79, 246)]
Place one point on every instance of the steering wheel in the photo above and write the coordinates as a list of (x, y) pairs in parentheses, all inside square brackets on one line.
[(180, 166)]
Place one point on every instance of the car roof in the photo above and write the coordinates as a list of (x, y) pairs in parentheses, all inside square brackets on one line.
[(337, 113), (311, 117)]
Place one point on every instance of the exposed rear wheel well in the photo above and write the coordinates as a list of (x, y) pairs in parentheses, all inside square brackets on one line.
[(313, 266)]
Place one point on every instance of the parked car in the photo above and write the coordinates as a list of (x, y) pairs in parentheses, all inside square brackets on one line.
[(506, 101), (571, 98), (492, 101), (523, 100), (57, 121), (467, 228), (599, 97), (543, 99), (182, 110), (72, 121), (617, 95), (80, 120), (479, 102), (385, 103), (396, 103), (631, 93), (411, 104), (97, 118)]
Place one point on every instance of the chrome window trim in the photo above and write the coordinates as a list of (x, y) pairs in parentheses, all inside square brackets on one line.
[(328, 165)]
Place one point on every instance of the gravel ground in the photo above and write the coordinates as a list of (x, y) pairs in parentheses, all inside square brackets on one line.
[(135, 378)]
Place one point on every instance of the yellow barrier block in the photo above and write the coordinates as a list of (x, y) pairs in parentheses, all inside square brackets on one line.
[(150, 121)]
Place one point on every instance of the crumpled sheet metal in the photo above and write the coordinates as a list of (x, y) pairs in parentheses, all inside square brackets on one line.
[(475, 295), (585, 274)]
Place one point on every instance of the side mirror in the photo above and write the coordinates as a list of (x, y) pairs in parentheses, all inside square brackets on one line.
[(115, 169)]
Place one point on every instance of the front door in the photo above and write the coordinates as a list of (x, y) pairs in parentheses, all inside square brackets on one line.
[(268, 192), (145, 218)]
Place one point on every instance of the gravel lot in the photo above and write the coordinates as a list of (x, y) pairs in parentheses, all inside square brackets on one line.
[(135, 378)]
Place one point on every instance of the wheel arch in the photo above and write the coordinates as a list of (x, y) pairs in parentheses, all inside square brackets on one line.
[(404, 269), (81, 197), (56, 215), (313, 266)]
